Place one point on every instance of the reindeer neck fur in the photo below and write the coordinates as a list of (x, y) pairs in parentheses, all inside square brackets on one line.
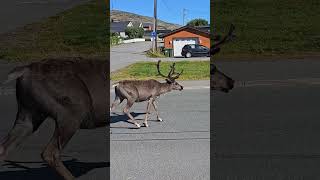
[(164, 88)]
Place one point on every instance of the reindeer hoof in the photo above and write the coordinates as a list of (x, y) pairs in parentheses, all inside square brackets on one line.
[(159, 119), (138, 125), (146, 124)]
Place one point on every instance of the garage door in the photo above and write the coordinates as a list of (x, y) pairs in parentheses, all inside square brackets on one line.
[(179, 43)]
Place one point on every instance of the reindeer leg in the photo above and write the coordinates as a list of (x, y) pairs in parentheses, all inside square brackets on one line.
[(127, 112), (156, 109), (115, 102), (26, 123), (147, 112), (51, 153)]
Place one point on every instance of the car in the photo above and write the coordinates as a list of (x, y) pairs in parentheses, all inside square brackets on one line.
[(190, 50)]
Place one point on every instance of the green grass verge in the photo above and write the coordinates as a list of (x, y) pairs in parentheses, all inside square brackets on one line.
[(156, 54), (269, 27), (192, 70), (79, 32)]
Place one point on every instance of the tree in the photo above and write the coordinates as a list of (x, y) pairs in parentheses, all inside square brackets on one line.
[(198, 22), (134, 32)]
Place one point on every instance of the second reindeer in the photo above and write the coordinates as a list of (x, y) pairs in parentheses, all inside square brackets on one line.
[(145, 90)]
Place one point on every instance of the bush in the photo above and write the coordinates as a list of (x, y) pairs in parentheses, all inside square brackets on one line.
[(134, 32), (115, 39)]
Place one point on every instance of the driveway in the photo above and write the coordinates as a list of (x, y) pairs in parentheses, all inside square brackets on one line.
[(126, 54)]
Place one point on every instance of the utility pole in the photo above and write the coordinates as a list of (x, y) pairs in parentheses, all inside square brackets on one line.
[(154, 42), (183, 15)]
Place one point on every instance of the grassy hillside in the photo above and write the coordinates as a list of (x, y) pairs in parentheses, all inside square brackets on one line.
[(269, 27), (126, 16), (81, 31)]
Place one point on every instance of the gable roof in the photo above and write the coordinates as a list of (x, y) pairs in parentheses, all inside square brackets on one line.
[(201, 30), (119, 26)]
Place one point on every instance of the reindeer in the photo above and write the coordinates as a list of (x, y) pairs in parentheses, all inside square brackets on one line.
[(220, 81), (145, 90), (70, 92)]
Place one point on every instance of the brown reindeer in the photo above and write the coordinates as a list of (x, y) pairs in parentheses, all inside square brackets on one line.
[(71, 92), (145, 90)]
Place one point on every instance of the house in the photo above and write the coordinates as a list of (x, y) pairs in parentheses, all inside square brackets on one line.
[(147, 26), (120, 26), (147, 33), (176, 39)]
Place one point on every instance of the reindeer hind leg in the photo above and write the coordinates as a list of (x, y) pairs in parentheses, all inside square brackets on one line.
[(26, 123), (51, 154), (127, 112)]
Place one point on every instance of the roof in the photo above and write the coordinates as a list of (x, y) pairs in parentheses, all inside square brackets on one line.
[(147, 24), (201, 30), (119, 26)]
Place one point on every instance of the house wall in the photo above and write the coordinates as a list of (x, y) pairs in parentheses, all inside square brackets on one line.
[(186, 34)]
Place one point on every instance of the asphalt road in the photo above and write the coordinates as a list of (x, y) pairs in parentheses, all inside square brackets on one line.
[(268, 126), (177, 148)]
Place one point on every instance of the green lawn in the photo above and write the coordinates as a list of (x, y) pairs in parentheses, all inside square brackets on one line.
[(192, 70), (269, 27), (81, 31)]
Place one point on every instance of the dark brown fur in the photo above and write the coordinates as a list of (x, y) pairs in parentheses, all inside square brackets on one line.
[(71, 92)]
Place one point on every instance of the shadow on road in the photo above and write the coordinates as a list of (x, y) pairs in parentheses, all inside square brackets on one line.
[(77, 168), (123, 118)]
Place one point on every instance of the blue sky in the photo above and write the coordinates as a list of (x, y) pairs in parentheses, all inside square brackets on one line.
[(168, 10)]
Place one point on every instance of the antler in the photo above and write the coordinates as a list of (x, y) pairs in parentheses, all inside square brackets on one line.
[(158, 68), (171, 72), (215, 48)]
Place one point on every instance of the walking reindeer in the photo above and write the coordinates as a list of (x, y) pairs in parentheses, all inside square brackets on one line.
[(145, 90)]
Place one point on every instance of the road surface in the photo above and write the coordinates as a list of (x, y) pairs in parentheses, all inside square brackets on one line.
[(268, 127), (177, 148)]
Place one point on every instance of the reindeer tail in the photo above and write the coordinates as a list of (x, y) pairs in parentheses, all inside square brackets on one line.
[(16, 73), (115, 84)]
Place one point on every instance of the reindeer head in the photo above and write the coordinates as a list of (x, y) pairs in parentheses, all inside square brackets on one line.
[(220, 81), (171, 77)]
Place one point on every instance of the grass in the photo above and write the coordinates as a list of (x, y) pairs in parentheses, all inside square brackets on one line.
[(79, 32), (269, 27), (156, 54), (192, 70)]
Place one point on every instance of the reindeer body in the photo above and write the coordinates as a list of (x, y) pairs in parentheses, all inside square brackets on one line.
[(141, 90), (144, 90)]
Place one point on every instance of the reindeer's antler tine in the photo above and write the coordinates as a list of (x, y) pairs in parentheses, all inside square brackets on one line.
[(178, 74), (158, 68), (227, 37), (172, 70)]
